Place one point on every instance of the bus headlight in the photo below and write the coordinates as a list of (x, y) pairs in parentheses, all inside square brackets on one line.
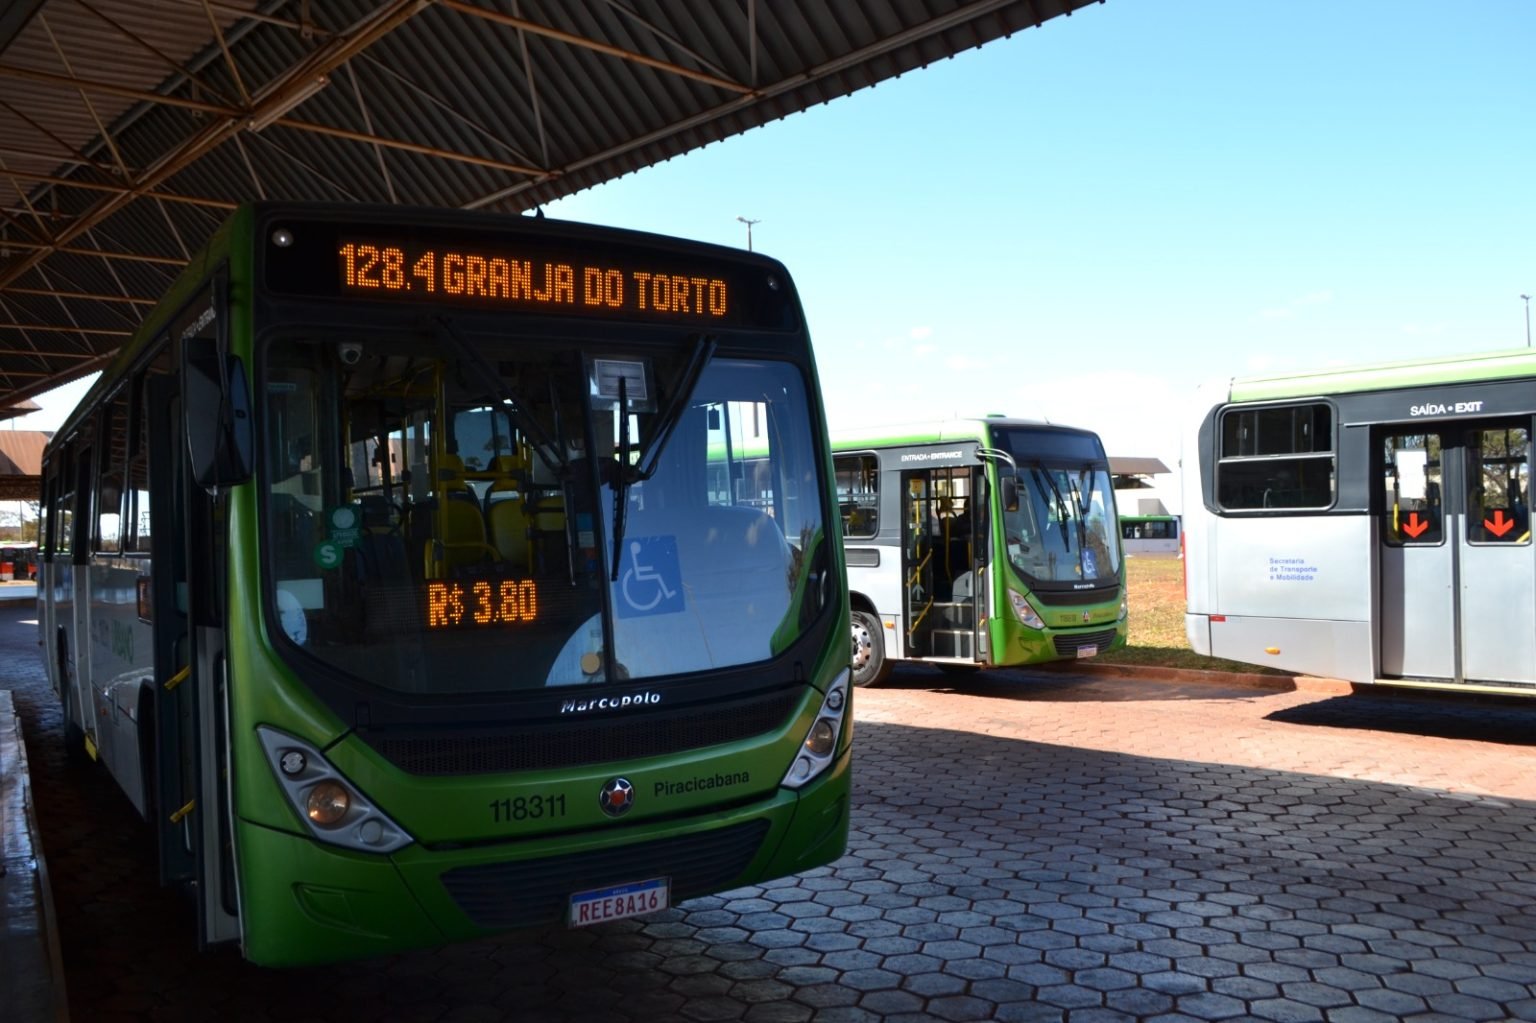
[(1125, 609), (330, 807), (819, 749), (1023, 612), (822, 735), (327, 803)]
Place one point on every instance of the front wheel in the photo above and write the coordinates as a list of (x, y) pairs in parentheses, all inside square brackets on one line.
[(869, 664)]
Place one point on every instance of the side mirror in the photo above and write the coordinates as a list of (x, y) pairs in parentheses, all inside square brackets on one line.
[(218, 407), (1010, 494), (216, 396)]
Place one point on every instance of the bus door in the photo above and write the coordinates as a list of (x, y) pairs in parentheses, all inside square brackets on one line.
[(1457, 582), (942, 592), (205, 530), (194, 640), (174, 737)]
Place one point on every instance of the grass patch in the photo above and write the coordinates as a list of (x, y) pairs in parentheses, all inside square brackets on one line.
[(1156, 598)]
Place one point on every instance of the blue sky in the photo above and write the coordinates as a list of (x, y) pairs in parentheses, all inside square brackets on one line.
[(1088, 219)]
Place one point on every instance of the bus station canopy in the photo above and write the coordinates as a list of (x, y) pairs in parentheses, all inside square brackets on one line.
[(129, 129), (21, 461), (1132, 465)]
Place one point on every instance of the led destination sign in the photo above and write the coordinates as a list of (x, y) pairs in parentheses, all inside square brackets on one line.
[(504, 278), (532, 269)]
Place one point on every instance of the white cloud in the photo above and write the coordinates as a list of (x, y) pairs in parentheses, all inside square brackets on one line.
[(959, 362)]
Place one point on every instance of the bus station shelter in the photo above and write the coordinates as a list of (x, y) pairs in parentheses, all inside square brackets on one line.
[(128, 131)]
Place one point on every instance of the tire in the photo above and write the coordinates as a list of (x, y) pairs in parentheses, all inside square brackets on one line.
[(870, 668)]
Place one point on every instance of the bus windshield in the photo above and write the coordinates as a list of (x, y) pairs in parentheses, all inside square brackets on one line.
[(1063, 529), (440, 514)]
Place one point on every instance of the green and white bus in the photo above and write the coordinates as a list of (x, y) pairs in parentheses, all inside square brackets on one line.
[(1368, 523), (978, 542), (382, 574), (1149, 534)]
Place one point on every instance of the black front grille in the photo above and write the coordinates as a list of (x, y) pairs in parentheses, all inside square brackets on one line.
[(530, 893), (584, 741), (1076, 598), (1068, 645)]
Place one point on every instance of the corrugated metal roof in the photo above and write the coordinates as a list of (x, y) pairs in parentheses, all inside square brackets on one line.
[(128, 128), (20, 408), (21, 463)]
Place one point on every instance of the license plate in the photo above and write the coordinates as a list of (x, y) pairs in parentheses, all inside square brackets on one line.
[(601, 905), (1087, 651)]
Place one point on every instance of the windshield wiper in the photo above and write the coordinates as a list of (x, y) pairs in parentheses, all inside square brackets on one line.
[(1082, 502), (1041, 472), (703, 352), (1085, 495), (652, 447), (622, 477)]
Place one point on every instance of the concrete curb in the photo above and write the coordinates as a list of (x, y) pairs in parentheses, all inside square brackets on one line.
[(33, 976)]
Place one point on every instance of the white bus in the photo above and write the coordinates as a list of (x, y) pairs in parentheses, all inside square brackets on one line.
[(1370, 524)]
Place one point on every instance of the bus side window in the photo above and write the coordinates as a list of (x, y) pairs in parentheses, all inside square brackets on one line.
[(858, 488), (1278, 456), (108, 528)]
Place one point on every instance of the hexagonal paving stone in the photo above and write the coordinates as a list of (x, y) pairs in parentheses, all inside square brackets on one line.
[(1036, 873)]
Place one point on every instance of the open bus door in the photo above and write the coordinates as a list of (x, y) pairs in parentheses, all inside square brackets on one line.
[(195, 811), (173, 736), (944, 587), (972, 585)]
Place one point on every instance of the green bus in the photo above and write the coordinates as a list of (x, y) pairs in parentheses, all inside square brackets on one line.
[(1149, 534), (1370, 523), (978, 542), (382, 574)]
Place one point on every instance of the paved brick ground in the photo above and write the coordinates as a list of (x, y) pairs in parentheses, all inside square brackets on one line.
[(1037, 847)]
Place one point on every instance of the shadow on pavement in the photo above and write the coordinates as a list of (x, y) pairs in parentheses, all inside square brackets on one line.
[(1507, 720), (1039, 684)]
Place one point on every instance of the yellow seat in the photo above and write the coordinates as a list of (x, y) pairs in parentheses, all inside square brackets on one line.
[(506, 512), (462, 541)]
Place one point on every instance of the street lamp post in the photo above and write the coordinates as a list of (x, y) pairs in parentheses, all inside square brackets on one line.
[(1526, 298), (749, 224)]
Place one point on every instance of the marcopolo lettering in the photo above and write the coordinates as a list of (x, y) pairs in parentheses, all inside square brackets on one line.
[(703, 783), (645, 699)]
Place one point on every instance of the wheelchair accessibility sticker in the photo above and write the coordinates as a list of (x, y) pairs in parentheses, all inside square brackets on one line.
[(650, 581)]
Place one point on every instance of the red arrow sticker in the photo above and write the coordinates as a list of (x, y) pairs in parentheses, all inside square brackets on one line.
[(1413, 527), (1500, 525)]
